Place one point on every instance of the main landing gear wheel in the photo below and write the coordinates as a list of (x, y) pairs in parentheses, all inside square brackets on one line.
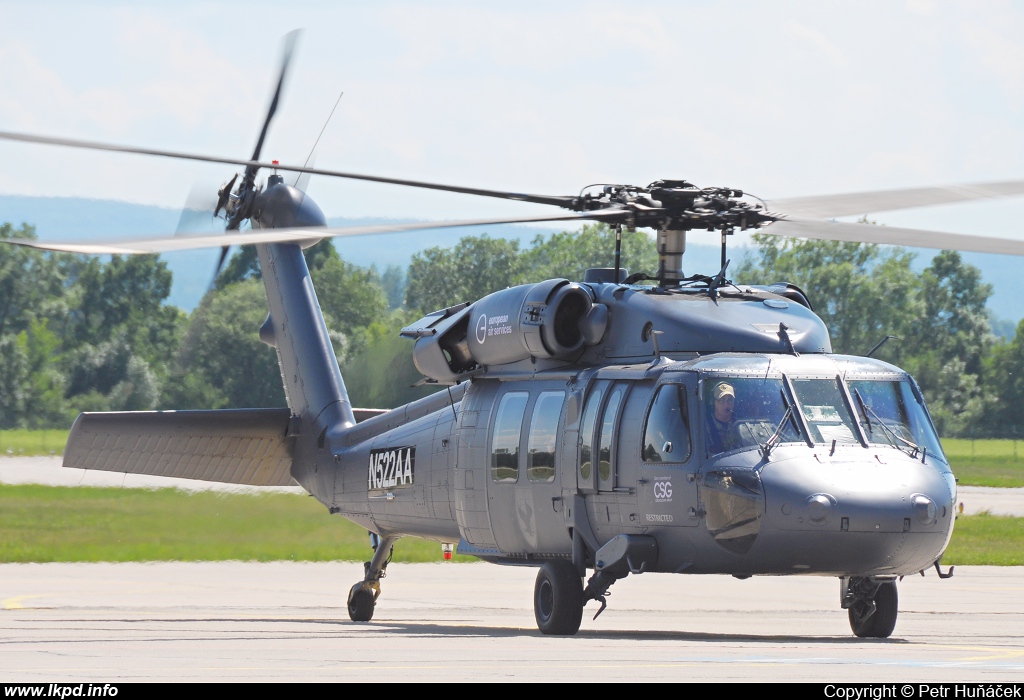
[(875, 617), (558, 598)]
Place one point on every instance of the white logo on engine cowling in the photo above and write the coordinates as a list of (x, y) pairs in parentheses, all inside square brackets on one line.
[(481, 329)]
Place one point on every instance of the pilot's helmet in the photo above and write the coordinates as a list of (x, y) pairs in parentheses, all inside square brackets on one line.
[(723, 389)]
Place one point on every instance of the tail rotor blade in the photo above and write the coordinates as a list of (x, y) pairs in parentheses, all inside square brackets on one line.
[(289, 48), (220, 265), (197, 215)]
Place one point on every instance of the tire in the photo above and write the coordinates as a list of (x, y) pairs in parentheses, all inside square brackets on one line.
[(881, 623), (360, 605), (558, 598)]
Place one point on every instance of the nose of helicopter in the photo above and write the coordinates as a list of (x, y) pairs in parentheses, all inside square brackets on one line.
[(867, 512)]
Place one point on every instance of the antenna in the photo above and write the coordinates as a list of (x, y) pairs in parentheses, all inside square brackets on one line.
[(315, 143)]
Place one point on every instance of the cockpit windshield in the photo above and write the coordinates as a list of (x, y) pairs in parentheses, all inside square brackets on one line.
[(892, 414), (825, 410), (761, 412), (745, 412)]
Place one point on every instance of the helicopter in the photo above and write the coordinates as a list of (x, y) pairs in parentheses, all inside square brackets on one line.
[(616, 425)]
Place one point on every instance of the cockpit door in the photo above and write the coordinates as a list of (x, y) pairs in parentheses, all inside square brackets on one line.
[(668, 482)]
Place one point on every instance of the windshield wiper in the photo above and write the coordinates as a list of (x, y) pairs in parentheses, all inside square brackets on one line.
[(776, 438), (890, 434)]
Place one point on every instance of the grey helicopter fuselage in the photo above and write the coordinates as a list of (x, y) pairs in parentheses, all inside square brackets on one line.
[(824, 509), (578, 428), (543, 447)]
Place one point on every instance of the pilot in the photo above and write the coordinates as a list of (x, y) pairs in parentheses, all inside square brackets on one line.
[(721, 431)]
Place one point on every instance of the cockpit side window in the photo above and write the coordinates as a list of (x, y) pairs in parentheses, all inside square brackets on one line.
[(667, 433)]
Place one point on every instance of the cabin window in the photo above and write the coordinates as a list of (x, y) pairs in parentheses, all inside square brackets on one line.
[(540, 453), (607, 440), (587, 432), (667, 433), (891, 412), (508, 428)]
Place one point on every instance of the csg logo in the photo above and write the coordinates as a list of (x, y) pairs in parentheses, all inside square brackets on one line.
[(662, 491)]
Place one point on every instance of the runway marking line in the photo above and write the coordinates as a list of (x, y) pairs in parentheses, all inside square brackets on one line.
[(15, 602), (990, 653)]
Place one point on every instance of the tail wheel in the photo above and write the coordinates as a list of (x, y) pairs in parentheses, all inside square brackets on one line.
[(558, 598), (880, 623)]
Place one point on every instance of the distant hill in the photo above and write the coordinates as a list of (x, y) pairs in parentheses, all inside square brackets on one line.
[(81, 219)]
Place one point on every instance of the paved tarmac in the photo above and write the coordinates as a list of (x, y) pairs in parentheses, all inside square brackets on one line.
[(236, 621), (48, 470), (285, 621)]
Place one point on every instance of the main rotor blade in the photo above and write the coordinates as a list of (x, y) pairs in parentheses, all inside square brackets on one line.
[(286, 57), (166, 244), (850, 204), (892, 235), (99, 146)]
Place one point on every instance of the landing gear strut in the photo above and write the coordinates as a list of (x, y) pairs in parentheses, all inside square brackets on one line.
[(362, 598), (872, 603), (558, 598)]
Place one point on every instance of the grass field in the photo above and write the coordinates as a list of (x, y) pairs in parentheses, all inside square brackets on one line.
[(32, 442), (983, 539), (87, 524), (986, 462)]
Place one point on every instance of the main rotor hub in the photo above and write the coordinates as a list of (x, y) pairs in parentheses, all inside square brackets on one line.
[(673, 207), (678, 205)]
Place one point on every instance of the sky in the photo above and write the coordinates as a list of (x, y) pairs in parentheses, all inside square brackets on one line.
[(779, 99)]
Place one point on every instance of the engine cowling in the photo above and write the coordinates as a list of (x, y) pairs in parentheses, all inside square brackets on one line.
[(533, 320), (555, 319)]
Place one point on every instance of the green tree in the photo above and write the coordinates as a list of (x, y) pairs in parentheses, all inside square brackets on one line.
[(570, 253), (222, 360), (31, 281), (862, 292), (13, 381), (475, 267), (1004, 387), (381, 373), (120, 338), (351, 297), (949, 341), (393, 281), (44, 406)]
